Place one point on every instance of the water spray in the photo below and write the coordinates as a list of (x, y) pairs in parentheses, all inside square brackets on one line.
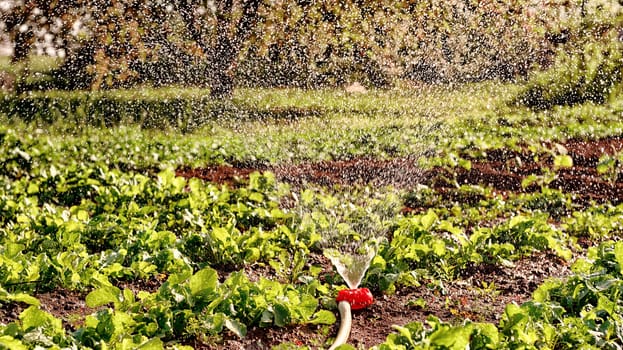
[(351, 266), (351, 235)]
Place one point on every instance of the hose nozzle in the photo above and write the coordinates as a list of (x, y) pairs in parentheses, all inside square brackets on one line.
[(357, 298), (348, 299)]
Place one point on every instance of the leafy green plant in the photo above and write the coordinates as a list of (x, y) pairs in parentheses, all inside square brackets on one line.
[(609, 167), (35, 328), (440, 335), (588, 75), (100, 210), (599, 222)]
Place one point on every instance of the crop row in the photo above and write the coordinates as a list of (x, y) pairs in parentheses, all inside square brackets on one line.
[(74, 218), (103, 208), (583, 311)]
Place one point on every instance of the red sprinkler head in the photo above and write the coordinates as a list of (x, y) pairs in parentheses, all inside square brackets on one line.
[(357, 298)]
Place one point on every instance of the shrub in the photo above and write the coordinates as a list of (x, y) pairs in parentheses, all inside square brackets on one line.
[(588, 75)]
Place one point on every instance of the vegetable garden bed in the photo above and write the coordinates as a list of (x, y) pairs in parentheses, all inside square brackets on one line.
[(128, 238), (592, 174)]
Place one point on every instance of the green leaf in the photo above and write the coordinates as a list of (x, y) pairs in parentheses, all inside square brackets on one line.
[(82, 215), (563, 161), (404, 332), (439, 248), (529, 180), (606, 165), (221, 234), (465, 164), (603, 303), (152, 344), (32, 188), (203, 282), (516, 220), (180, 277), (166, 176), (542, 293), (490, 332), (34, 317), (323, 317), (8, 342), (429, 219), (618, 254), (239, 329), (306, 306), (102, 296), (513, 316), (307, 197), (452, 337), (252, 254), (256, 197), (214, 323), (24, 298), (419, 302), (281, 314), (12, 249)]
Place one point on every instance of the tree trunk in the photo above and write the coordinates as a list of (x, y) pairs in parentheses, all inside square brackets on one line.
[(22, 45), (224, 54), (230, 38)]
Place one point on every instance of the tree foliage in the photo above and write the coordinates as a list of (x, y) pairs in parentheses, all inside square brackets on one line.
[(119, 43), (589, 61), (328, 41)]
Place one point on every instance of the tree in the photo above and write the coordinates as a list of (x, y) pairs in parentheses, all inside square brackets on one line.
[(331, 41), (24, 19), (119, 43), (109, 43), (233, 25)]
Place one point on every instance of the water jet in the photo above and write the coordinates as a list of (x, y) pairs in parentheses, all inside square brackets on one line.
[(351, 266)]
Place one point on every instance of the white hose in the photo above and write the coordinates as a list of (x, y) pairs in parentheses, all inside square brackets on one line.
[(346, 321)]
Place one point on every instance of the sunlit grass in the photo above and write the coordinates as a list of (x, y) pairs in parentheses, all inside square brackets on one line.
[(279, 110), (293, 125), (440, 100), (35, 64), (400, 107)]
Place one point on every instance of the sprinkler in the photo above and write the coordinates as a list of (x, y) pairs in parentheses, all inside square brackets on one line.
[(348, 299)]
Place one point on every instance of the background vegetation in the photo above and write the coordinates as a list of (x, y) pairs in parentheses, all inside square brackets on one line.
[(92, 204), (303, 43)]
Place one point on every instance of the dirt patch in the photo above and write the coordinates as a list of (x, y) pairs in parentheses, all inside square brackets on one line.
[(481, 292), (67, 305), (399, 172), (503, 170), (221, 174), (480, 295)]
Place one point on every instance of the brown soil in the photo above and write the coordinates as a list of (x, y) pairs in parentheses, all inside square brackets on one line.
[(503, 170), (465, 298), (480, 294)]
